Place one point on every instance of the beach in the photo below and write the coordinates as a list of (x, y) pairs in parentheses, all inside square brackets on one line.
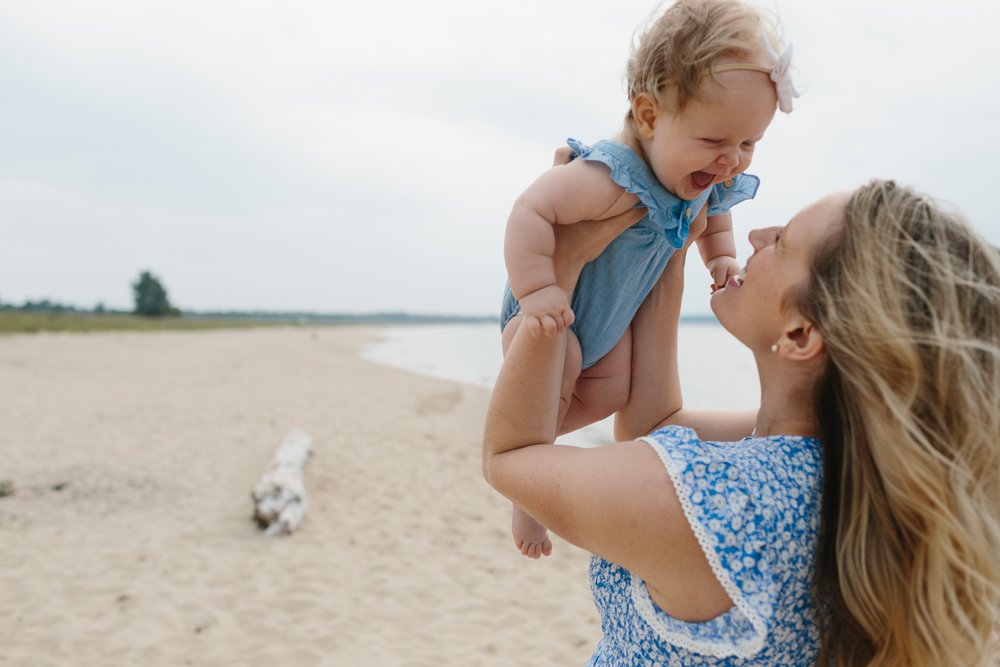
[(128, 539)]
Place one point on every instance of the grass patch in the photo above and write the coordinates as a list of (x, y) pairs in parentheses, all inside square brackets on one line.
[(15, 322)]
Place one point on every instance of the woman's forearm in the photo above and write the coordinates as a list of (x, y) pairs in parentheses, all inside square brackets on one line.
[(656, 389), (525, 403), (524, 406)]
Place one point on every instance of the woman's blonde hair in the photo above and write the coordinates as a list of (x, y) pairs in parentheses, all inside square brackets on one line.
[(907, 297), (677, 49)]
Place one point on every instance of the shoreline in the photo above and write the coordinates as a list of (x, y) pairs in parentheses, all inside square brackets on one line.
[(129, 535)]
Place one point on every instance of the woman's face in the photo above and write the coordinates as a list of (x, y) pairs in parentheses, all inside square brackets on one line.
[(752, 306)]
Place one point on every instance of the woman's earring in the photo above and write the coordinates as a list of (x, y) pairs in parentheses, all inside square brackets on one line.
[(774, 348)]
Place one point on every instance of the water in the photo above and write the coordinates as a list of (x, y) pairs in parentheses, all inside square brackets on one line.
[(717, 372), (467, 353)]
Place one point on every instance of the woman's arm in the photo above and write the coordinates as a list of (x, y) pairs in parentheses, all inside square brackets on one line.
[(655, 393), (655, 398), (616, 502)]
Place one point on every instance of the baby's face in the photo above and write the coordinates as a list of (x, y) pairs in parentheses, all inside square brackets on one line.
[(713, 138)]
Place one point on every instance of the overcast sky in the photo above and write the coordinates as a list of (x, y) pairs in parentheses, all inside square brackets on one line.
[(363, 156)]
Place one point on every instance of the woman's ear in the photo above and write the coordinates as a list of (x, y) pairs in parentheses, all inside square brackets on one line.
[(645, 111), (801, 340)]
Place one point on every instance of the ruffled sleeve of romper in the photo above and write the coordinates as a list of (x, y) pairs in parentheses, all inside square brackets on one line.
[(729, 193), (722, 507), (665, 210)]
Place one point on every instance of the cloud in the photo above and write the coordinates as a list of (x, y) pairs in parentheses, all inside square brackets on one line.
[(364, 157)]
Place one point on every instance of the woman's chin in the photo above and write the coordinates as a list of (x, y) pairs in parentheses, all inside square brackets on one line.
[(721, 308), (717, 303)]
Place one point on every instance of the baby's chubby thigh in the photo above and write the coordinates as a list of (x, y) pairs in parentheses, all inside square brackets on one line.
[(603, 389)]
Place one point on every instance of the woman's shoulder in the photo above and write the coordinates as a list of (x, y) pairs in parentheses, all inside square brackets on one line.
[(683, 439), (775, 469), (753, 506)]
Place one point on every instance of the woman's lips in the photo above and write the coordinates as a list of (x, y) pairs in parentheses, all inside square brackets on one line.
[(735, 282)]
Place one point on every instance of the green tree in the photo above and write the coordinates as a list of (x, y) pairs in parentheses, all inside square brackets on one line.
[(150, 297)]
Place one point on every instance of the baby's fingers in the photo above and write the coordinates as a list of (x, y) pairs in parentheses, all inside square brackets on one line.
[(550, 326), (534, 325)]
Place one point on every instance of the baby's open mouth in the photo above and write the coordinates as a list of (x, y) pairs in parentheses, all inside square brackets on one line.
[(702, 179)]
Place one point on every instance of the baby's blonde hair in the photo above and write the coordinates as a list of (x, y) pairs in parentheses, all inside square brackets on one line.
[(677, 49), (907, 297)]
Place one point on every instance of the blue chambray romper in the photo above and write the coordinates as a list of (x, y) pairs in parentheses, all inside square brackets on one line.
[(612, 287)]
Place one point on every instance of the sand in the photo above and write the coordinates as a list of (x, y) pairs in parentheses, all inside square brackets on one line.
[(128, 540)]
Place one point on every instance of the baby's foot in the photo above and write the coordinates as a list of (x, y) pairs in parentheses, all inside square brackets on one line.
[(531, 537)]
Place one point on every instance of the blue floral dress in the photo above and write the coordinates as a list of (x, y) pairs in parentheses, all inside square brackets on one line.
[(612, 287), (754, 507)]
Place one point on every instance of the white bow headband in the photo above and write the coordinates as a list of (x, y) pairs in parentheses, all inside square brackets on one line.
[(778, 72)]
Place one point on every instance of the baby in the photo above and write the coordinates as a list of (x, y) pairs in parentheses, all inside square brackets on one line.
[(703, 81)]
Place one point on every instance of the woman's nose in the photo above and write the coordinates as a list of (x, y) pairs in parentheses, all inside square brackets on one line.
[(759, 238)]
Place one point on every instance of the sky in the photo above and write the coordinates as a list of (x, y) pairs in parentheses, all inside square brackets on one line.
[(363, 156)]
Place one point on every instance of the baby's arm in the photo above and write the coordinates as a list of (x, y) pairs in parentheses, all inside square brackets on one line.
[(563, 195), (718, 249)]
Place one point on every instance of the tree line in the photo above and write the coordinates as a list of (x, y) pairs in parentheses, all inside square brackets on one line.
[(149, 297)]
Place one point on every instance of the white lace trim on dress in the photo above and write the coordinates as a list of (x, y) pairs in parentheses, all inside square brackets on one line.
[(744, 648)]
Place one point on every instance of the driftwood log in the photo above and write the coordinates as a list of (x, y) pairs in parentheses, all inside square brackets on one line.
[(280, 494)]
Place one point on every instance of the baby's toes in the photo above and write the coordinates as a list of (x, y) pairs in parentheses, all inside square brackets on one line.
[(546, 547)]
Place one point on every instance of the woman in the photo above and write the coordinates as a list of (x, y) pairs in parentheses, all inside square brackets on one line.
[(874, 318)]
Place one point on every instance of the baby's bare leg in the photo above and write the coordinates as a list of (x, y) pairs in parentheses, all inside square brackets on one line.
[(603, 389), (531, 537)]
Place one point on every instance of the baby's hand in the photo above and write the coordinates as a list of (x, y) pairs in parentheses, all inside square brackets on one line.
[(722, 268), (546, 311)]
